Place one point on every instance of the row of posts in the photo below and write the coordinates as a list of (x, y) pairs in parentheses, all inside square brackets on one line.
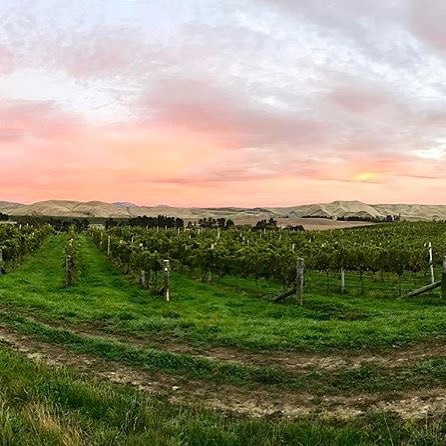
[(300, 266)]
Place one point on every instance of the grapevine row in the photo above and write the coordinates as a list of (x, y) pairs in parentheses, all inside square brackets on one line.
[(393, 248), (16, 242)]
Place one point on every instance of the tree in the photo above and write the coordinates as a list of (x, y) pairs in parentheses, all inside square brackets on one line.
[(110, 223)]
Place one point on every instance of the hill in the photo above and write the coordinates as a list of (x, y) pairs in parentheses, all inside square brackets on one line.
[(310, 212)]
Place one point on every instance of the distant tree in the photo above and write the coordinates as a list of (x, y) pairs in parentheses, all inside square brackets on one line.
[(295, 228), (29, 220), (229, 224), (3, 217), (161, 221), (270, 225), (110, 223), (81, 225)]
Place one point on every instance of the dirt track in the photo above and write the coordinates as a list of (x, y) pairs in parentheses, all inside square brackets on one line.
[(263, 401)]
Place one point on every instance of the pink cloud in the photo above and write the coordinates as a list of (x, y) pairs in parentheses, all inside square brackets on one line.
[(233, 117), (42, 120)]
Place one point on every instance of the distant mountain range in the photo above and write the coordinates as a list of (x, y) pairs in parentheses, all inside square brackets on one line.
[(336, 209)]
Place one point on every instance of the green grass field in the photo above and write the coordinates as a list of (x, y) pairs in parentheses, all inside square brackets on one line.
[(219, 364)]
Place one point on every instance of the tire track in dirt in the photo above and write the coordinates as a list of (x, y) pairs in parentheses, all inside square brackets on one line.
[(259, 402), (292, 361)]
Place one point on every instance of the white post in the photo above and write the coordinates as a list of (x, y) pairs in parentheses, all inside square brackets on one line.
[(109, 245), (166, 264), (342, 280), (431, 263)]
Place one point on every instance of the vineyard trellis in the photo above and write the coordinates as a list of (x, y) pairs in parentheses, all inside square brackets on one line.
[(18, 241), (389, 250), (71, 257)]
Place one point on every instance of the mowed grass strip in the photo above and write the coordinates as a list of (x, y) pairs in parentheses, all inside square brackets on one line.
[(211, 315), (367, 378)]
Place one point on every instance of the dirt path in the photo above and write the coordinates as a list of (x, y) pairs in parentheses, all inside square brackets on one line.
[(287, 360), (256, 402)]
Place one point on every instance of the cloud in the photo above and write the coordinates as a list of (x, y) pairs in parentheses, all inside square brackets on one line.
[(233, 117), (426, 21), (45, 121), (192, 101)]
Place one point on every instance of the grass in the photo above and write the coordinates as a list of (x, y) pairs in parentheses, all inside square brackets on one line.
[(43, 406), (367, 377), (220, 314)]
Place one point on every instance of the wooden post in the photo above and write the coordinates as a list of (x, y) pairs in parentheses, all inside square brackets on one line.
[(109, 245), (300, 281), (68, 270), (166, 264), (143, 279), (443, 280), (431, 263), (342, 280)]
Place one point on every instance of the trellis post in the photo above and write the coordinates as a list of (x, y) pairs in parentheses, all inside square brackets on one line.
[(431, 263), (342, 280), (143, 279), (69, 270), (300, 265), (166, 269)]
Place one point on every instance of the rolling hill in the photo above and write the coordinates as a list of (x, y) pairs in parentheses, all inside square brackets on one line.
[(333, 210)]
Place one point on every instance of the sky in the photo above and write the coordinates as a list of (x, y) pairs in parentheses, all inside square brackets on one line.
[(222, 102)]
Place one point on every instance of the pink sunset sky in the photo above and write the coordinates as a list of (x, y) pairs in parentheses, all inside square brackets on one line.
[(222, 102)]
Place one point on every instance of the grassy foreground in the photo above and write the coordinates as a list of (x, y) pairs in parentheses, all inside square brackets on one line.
[(41, 406)]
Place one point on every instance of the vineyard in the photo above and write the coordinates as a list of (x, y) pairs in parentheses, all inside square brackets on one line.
[(387, 258), (143, 336)]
